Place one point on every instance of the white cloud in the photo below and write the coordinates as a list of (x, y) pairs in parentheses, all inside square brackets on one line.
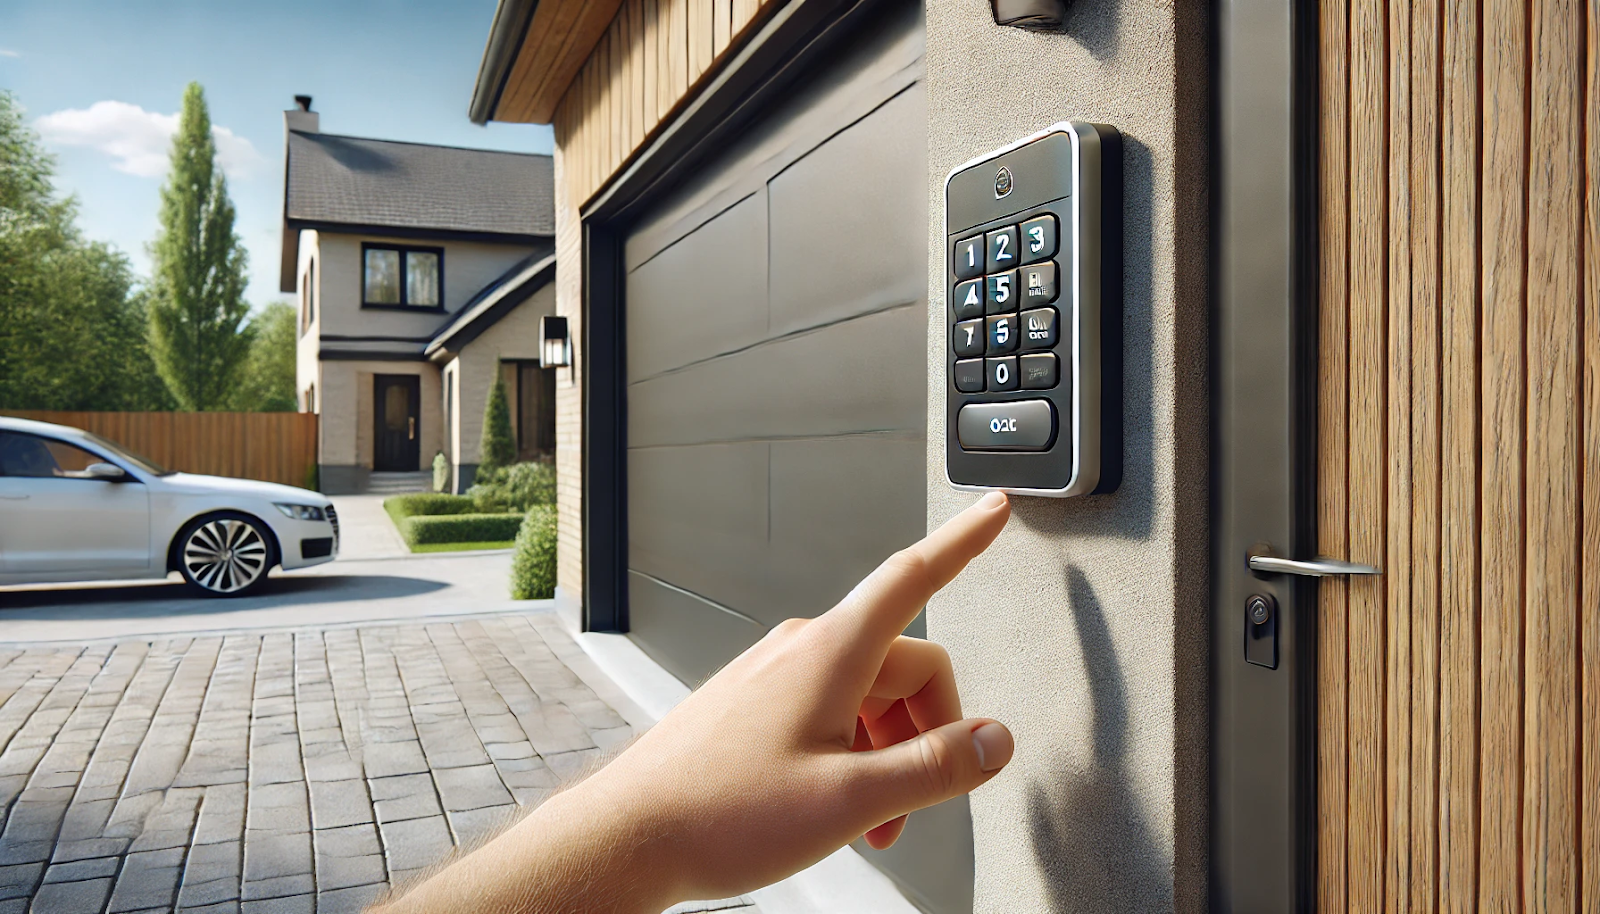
[(7, 52), (138, 140)]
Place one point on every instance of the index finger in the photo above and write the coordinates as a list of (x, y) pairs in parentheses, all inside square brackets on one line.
[(883, 604)]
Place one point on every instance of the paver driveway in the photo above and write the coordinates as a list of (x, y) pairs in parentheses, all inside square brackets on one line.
[(278, 771)]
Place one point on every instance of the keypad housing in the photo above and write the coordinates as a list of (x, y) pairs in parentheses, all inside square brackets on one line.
[(1046, 384)]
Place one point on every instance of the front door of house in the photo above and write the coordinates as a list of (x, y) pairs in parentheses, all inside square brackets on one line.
[(396, 399)]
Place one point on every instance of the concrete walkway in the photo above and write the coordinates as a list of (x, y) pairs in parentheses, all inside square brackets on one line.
[(365, 530)]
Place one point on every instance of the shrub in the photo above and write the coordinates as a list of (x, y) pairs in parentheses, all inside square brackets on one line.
[(533, 558), (514, 488), (460, 528), (401, 507), (499, 448), (441, 472)]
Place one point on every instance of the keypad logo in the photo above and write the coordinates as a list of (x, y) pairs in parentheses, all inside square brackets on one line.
[(1002, 182)]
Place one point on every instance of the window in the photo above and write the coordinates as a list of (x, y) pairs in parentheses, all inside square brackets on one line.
[(402, 277), (531, 392), (43, 458)]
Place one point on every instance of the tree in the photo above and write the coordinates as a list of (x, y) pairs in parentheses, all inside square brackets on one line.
[(266, 383), (197, 312), (499, 449), (72, 322)]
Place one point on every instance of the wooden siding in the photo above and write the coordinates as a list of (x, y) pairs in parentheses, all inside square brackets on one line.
[(650, 59), (1459, 704), (274, 447)]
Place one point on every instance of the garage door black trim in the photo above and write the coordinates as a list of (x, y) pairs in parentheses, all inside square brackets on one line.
[(795, 37)]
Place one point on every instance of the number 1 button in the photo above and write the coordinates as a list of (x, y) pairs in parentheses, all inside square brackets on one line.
[(968, 258), (1002, 249)]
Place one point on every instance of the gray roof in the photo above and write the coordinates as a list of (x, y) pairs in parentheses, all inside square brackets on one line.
[(357, 181)]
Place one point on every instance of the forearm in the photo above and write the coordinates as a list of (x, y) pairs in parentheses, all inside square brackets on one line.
[(584, 850)]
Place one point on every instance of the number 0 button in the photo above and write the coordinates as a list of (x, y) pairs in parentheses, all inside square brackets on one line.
[(968, 260), (1038, 238), (1003, 373), (1003, 249)]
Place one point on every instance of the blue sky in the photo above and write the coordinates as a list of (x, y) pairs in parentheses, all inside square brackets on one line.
[(102, 82)]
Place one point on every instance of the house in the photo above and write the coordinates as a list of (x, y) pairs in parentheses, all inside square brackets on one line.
[(421, 273), (1334, 642)]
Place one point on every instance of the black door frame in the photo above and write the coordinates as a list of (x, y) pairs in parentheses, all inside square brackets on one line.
[(414, 450), (1264, 338), (797, 35)]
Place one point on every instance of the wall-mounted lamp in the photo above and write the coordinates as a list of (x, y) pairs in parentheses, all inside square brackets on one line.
[(1033, 15), (555, 349)]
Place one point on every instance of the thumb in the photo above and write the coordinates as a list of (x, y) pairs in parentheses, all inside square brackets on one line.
[(938, 765)]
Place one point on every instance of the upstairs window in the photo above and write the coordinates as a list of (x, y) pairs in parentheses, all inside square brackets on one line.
[(402, 277)]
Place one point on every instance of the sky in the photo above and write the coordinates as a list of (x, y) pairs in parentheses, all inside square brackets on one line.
[(102, 82)]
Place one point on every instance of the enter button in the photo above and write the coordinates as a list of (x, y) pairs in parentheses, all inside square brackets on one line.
[(1020, 425)]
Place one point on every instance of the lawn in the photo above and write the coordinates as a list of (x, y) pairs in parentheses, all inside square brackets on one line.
[(461, 547)]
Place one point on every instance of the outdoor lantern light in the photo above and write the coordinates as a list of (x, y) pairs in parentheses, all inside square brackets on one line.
[(556, 349)]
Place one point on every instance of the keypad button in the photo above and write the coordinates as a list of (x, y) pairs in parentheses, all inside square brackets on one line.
[(1039, 328), (1002, 334), (1020, 425), (969, 257), (1000, 292), (1039, 370), (969, 375), (1039, 238), (968, 338), (1003, 249), (967, 299), (1037, 284), (1002, 373)]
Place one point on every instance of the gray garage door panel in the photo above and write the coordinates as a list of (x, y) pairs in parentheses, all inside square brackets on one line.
[(688, 636), (839, 241), (861, 375), (703, 296)]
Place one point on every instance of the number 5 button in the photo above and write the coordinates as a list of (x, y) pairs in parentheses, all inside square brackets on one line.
[(1002, 333)]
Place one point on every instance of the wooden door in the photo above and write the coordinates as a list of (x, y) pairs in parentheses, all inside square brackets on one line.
[(1459, 693), (396, 444)]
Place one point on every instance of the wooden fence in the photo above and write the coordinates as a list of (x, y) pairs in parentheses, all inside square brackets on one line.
[(276, 447)]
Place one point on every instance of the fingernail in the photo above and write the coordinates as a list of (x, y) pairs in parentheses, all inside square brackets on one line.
[(993, 744), (992, 500)]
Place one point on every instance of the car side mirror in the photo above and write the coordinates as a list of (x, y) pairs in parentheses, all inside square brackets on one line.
[(109, 472)]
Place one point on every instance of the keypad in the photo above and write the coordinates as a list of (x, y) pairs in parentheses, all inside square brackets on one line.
[(1003, 284)]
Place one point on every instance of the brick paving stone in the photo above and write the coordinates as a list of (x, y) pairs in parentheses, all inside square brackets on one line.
[(475, 826), (396, 759), (339, 803), (172, 824), (147, 880), (271, 855), (221, 907), (298, 904), (222, 814), (568, 765), (279, 808), (18, 880), (351, 900), (92, 868), (211, 874), (349, 856), (409, 796), (415, 843), (462, 789), (72, 897)]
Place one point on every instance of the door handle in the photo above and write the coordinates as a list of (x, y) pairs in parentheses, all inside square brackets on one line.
[(1319, 567), (411, 428)]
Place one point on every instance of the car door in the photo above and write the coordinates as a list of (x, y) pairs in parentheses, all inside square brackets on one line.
[(55, 520)]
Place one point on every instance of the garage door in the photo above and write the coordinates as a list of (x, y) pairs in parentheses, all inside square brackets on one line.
[(776, 400), (775, 362)]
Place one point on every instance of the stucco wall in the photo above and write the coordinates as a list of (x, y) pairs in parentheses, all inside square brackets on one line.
[(514, 336), (346, 395), (306, 375), (1083, 627)]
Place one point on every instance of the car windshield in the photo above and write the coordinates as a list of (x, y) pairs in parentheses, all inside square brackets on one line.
[(143, 463)]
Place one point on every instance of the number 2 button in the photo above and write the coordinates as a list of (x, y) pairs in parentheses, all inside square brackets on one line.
[(1002, 249)]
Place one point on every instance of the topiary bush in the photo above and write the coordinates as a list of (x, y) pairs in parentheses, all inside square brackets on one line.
[(441, 472), (533, 557), (416, 504), (514, 488), (499, 447), (460, 528)]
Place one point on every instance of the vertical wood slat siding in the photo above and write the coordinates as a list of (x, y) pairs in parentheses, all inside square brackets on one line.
[(648, 61), (1460, 377), (274, 447)]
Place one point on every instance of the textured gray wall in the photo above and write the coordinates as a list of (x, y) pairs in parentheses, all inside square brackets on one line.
[(1083, 627)]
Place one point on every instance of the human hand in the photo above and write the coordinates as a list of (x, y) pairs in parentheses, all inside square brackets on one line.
[(825, 730)]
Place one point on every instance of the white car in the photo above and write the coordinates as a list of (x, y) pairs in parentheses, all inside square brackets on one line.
[(75, 507)]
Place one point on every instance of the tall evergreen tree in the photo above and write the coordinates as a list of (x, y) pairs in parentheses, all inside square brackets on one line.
[(198, 334), (499, 448)]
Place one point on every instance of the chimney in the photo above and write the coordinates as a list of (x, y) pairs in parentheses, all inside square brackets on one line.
[(301, 117)]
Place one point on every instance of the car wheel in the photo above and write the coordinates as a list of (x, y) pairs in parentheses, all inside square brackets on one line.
[(225, 555)]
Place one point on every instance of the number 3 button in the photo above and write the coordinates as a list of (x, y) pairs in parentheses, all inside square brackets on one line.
[(1038, 238)]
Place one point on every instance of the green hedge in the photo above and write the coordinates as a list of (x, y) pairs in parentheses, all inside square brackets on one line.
[(401, 507), (533, 558), (514, 488), (460, 528)]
